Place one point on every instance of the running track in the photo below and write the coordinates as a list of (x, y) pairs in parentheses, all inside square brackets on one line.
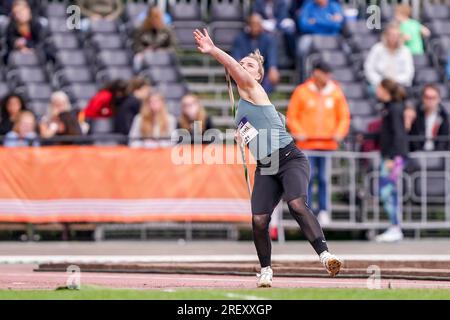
[(18, 277)]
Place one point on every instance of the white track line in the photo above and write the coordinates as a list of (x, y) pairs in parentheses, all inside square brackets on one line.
[(39, 259)]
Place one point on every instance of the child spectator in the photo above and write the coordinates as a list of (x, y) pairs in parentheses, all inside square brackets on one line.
[(153, 35), (193, 118), (389, 59), (23, 133), (101, 9), (254, 37), (104, 103), (394, 150), (59, 120), (431, 122), (11, 106), (152, 122), (412, 30)]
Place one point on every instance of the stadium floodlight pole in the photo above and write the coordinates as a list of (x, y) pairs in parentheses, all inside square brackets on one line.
[(241, 145)]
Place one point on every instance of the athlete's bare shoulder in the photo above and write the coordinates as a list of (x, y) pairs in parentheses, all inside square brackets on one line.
[(256, 95)]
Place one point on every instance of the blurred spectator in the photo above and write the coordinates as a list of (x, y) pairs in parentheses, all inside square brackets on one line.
[(252, 38), (24, 33), (59, 120), (431, 122), (319, 118), (143, 15), (11, 106), (152, 122), (153, 35), (104, 103), (275, 17), (23, 133), (317, 17), (100, 9), (138, 90), (448, 67), (412, 30), (193, 118), (394, 150), (389, 59)]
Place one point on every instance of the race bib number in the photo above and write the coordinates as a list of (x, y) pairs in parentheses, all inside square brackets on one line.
[(246, 131)]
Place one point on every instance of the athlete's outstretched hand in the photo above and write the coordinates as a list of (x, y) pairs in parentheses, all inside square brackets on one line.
[(204, 42)]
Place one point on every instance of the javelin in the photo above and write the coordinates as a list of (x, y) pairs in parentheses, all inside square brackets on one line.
[(241, 145)]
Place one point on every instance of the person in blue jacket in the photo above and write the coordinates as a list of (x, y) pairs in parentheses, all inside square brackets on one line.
[(318, 17), (254, 37)]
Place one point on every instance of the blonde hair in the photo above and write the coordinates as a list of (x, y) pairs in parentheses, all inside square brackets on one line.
[(185, 123), (403, 9), (258, 57), (20, 116), (149, 117)]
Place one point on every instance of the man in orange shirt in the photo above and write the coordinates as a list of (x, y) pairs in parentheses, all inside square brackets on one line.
[(318, 118)]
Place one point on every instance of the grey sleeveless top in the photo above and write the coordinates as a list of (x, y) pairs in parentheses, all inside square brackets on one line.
[(269, 124)]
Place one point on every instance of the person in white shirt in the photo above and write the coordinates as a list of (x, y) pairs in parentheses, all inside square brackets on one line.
[(389, 59)]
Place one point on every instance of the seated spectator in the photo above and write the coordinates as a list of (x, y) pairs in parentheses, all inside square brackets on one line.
[(252, 38), (140, 18), (193, 118), (275, 15), (10, 108), (431, 122), (23, 133), (138, 90), (24, 33), (412, 30), (448, 67), (94, 10), (153, 35), (59, 120), (319, 118), (104, 103), (389, 59), (152, 122), (317, 17)]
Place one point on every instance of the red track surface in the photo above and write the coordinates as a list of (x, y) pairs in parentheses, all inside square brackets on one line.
[(23, 277)]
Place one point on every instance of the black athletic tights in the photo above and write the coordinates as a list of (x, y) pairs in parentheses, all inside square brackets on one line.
[(307, 221)]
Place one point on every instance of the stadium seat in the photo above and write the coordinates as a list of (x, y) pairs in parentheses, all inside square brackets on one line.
[(335, 58), (446, 105), (440, 27), (172, 91), (226, 10), (65, 58), (58, 25), (102, 41), (23, 59), (428, 75), (421, 61), (162, 74), (4, 89), (433, 12), (25, 74), (225, 33), (103, 26), (357, 27), (56, 10), (185, 11), (354, 90), (435, 187), (183, 32), (359, 124), (344, 75), (158, 58), (39, 108), (133, 9), (101, 126), (73, 74), (112, 58), (360, 108), (320, 43), (111, 73), (37, 91), (81, 91), (64, 41), (362, 42)]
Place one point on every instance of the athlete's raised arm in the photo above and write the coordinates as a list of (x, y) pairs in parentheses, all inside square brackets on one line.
[(205, 45)]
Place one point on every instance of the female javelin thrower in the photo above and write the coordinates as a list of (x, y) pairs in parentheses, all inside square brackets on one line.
[(256, 116)]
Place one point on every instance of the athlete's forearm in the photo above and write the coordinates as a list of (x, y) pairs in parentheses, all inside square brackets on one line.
[(237, 72)]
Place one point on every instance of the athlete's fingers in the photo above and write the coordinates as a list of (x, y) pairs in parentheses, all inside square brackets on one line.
[(206, 32), (198, 33)]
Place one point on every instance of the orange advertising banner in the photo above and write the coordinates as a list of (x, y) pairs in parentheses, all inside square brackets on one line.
[(121, 184)]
